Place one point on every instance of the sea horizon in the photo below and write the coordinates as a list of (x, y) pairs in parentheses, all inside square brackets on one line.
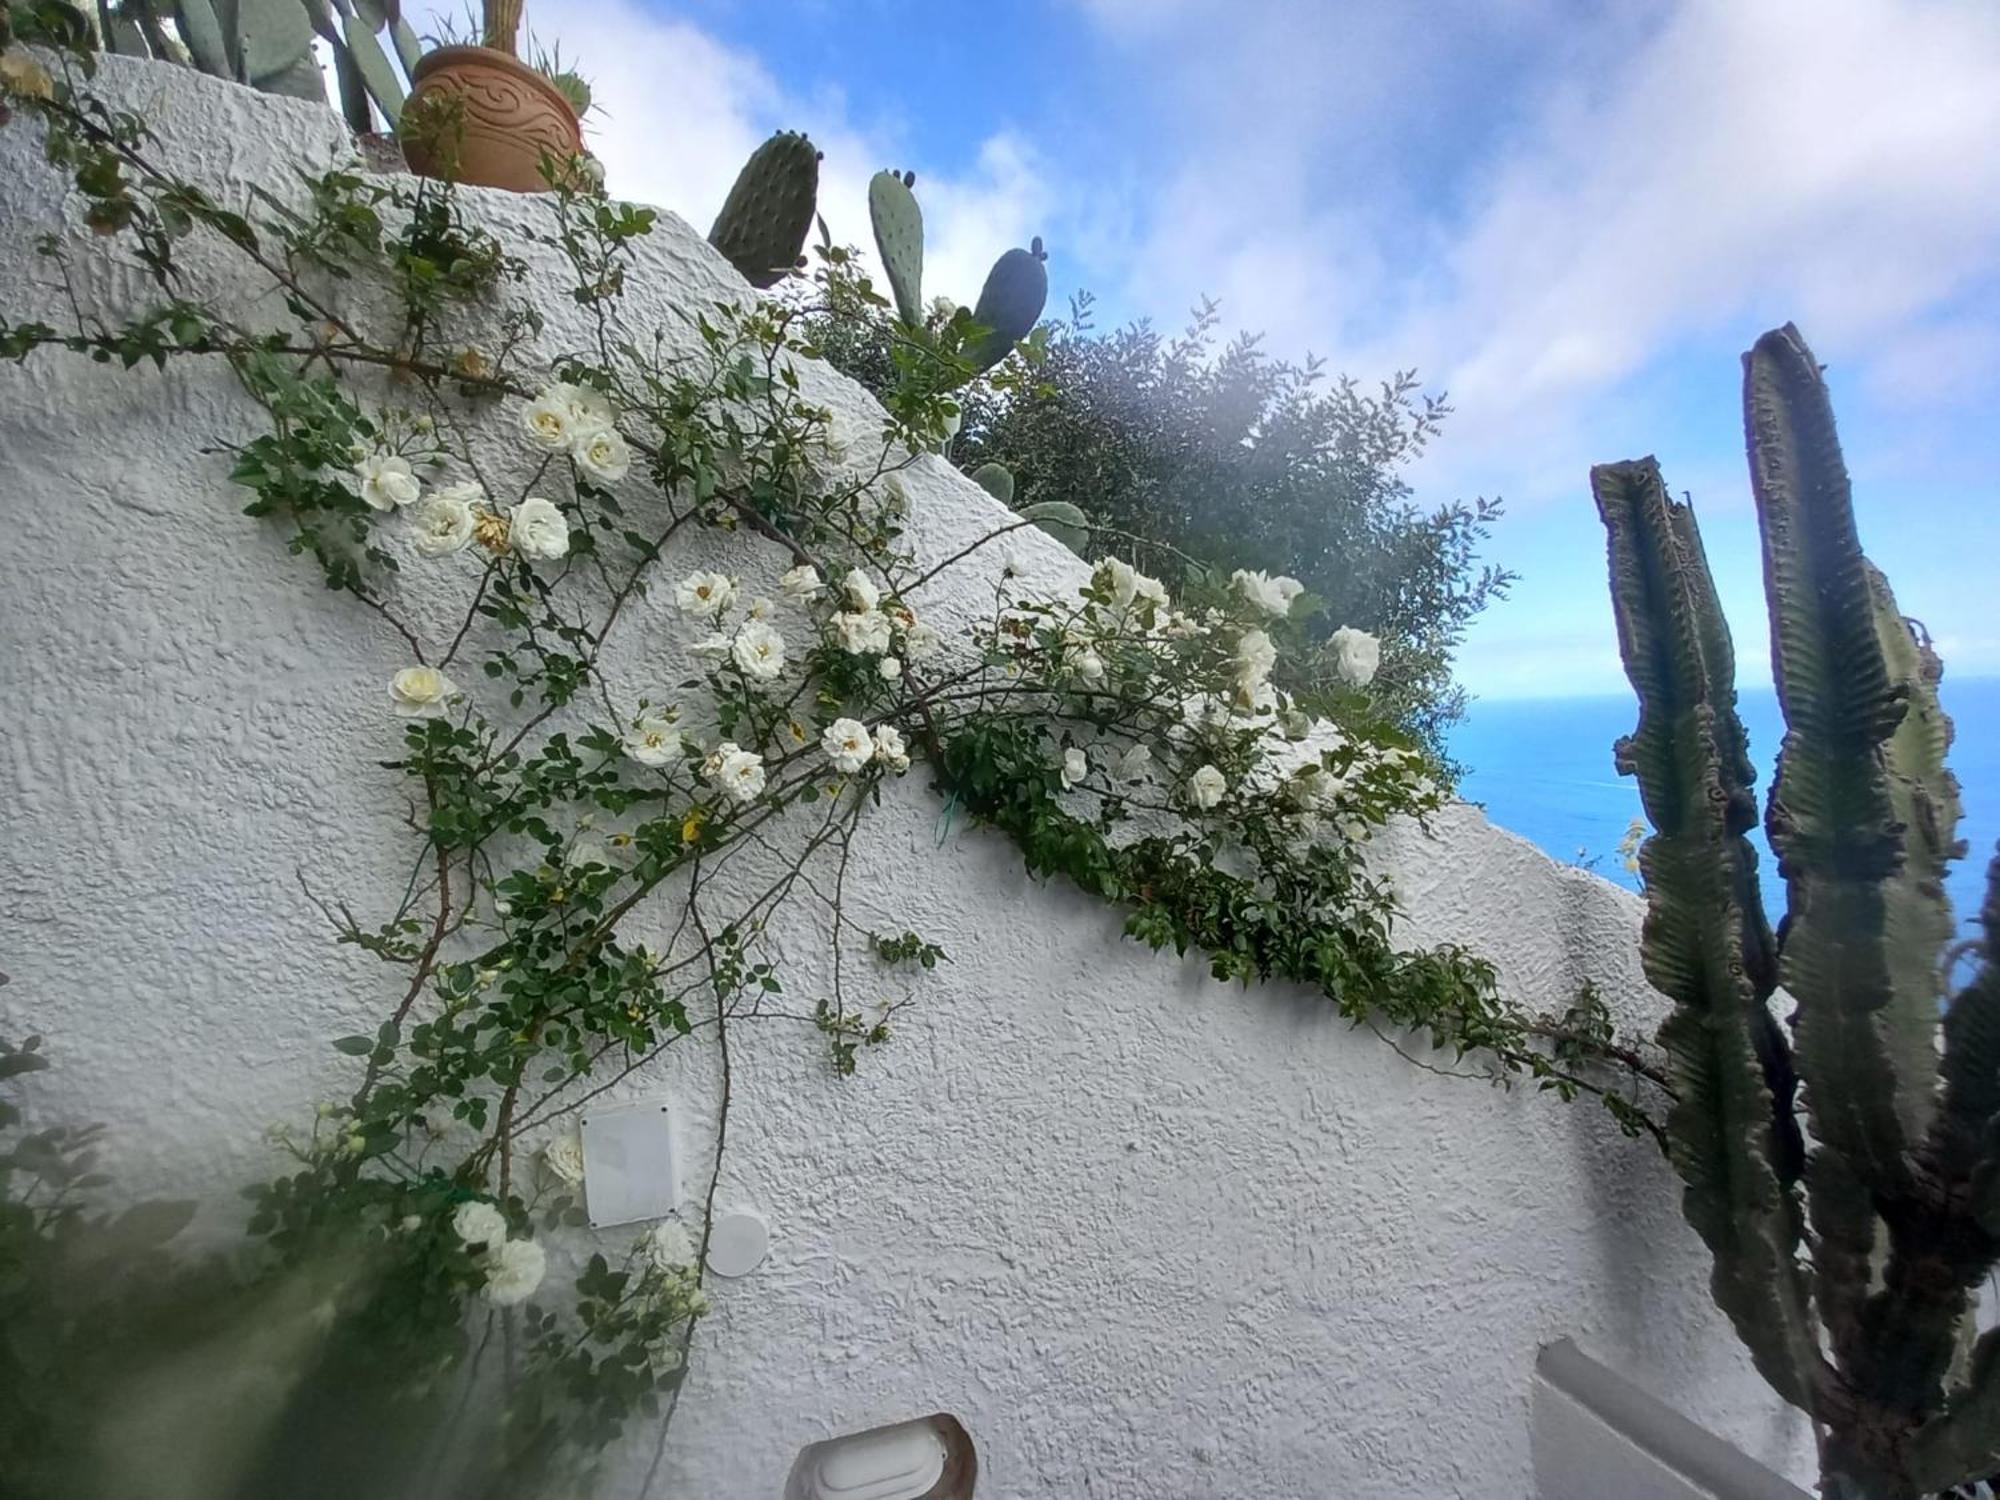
[(1542, 768)]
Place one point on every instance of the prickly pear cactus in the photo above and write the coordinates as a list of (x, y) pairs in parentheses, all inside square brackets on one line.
[(1062, 521), (899, 239), (1010, 303), (997, 480), (765, 220), (275, 47)]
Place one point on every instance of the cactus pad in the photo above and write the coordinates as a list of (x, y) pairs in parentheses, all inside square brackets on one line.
[(997, 480), (1062, 521), (764, 221), (1010, 303), (899, 239)]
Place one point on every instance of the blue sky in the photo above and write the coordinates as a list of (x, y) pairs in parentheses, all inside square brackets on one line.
[(1572, 218)]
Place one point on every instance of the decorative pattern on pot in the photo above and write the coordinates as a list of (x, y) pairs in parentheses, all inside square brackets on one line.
[(480, 116)]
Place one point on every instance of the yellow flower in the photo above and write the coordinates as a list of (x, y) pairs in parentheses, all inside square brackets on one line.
[(691, 824)]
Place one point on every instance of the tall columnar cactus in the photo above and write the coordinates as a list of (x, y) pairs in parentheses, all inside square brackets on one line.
[(769, 211), (899, 239), (1010, 304), (1897, 1202)]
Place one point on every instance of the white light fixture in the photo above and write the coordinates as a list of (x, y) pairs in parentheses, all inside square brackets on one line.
[(929, 1459)]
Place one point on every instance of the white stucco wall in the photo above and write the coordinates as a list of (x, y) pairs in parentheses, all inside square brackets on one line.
[(1144, 1234)]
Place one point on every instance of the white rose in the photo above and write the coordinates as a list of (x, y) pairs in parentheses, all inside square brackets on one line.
[(762, 608), (653, 741), (547, 420), (1273, 596), (1129, 586), (1255, 656), (891, 669), (602, 455), (802, 582), (514, 1268), (1075, 766), (478, 1222), (712, 647), (586, 406), (1082, 659), (862, 591), (863, 633), (759, 651), (444, 521), (385, 481), (1356, 655), (1135, 763), (1205, 787), (847, 745), (563, 1156), (737, 772), (895, 496), (667, 1246), (704, 593), (420, 692), (890, 749), (921, 642), (538, 530)]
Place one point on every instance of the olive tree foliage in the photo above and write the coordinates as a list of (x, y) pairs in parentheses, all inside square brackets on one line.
[(1216, 449)]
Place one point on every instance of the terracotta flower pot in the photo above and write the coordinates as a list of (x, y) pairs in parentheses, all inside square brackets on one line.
[(483, 117)]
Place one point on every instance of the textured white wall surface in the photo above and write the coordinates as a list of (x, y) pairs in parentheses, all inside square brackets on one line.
[(1143, 1233)]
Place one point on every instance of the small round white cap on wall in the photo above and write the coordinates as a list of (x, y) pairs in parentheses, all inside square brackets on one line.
[(737, 1244)]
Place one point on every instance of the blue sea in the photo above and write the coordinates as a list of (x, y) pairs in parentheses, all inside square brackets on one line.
[(1543, 768)]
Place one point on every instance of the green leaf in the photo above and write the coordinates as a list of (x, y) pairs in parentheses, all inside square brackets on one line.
[(355, 1046)]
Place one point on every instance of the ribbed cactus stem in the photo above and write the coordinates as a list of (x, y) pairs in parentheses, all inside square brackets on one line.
[(1902, 1180), (503, 24)]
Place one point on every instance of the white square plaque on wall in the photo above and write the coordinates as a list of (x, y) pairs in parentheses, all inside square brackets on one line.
[(631, 1169)]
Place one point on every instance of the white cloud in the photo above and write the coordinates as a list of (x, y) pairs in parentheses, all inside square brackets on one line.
[(1617, 190), (675, 113)]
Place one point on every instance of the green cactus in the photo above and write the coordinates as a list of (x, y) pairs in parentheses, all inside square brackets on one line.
[(1903, 1177), (899, 239), (1010, 304), (768, 213), (274, 38), (268, 44), (571, 86), (1061, 520), (201, 28), (997, 480)]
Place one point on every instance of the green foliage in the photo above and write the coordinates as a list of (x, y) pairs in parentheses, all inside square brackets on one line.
[(1866, 1334), (764, 221), (1175, 449)]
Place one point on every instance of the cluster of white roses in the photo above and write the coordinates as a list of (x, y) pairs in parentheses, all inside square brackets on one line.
[(865, 626), (452, 517), (850, 747), (1123, 606), (754, 644), (578, 421), (514, 1268)]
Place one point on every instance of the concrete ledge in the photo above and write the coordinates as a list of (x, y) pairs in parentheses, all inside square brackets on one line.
[(1595, 1433)]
